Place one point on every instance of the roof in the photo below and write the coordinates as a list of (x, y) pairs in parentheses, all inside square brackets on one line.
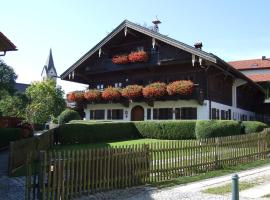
[(252, 64), (146, 31), (6, 44), (21, 87), (259, 77)]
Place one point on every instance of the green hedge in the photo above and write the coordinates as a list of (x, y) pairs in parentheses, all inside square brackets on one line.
[(97, 132), (217, 128), (9, 134), (253, 126), (68, 115), (170, 130)]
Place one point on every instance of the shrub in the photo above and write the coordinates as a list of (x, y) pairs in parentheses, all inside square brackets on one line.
[(155, 90), (96, 132), (217, 128), (68, 115), (111, 94), (92, 95), (252, 126), (183, 87), (171, 130), (9, 134), (132, 92)]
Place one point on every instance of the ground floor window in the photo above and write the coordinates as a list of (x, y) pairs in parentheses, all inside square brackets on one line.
[(97, 114), (115, 114), (215, 113), (162, 113), (148, 113), (186, 113)]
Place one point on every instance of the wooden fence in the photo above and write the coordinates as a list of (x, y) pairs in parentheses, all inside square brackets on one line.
[(18, 149), (65, 174)]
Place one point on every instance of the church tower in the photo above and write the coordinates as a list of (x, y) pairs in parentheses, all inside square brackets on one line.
[(49, 71)]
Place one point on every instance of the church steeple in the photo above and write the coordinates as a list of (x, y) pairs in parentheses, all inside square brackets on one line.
[(49, 71)]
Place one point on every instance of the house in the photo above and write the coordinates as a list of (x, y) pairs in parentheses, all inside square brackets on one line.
[(21, 87), (49, 71), (219, 90), (5, 45)]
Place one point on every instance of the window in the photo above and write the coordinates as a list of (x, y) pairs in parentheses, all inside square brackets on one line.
[(162, 113), (118, 85), (223, 114), (115, 114), (97, 114), (215, 113), (188, 113), (148, 113), (228, 114)]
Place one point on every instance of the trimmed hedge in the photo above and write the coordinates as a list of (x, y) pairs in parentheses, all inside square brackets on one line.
[(217, 128), (68, 115), (9, 134), (170, 130), (96, 132), (252, 126)]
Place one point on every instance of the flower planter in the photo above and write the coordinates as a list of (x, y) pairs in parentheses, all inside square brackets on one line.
[(111, 94), (132, 92), (182, 87), (138, 56), (71, 97), (92, 95), (155, 90), (120, 59)]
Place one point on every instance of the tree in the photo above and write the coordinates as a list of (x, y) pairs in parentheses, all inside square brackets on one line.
[(45, 100), (7, 78)]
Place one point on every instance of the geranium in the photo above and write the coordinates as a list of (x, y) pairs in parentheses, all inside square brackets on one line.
[(120, 59), (132, 92), (138, 56), (92, 95), (71, 97), (155, 90), (79, 96), (111, 94), (183, 87)]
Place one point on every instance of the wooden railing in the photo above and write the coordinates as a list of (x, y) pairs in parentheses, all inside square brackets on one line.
[(65, 174)]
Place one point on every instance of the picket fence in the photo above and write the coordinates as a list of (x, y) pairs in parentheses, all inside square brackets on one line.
[(70, 174)]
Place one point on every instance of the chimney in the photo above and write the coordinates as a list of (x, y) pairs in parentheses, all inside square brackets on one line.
[(198, 45), (156, 22)]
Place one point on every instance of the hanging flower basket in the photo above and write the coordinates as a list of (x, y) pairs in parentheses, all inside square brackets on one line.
[(120, 59), (71, 97), (92, 95), (79, 96), (138, 56), (132, 92), (111, 94), (155, 90), (182, 87)]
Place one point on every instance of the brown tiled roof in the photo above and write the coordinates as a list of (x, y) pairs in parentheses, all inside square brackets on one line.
[(250, 64), (6, 44), (259, 77)]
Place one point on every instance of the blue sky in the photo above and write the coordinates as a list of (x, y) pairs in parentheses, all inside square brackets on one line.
[(233, 30)]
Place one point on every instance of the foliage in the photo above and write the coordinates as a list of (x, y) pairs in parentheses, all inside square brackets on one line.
[(155, 90), (9, 134), (182, 87), (138, 56), (68, 115), (217, 128), (97, 132), (252, 126), (92, 95), (45, 100), (171, 130), (111, 94), (120, 59), (13, 106), (132, 92), (7, 78)]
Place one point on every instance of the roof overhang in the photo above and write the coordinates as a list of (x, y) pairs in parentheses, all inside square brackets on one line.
[(6, 44)]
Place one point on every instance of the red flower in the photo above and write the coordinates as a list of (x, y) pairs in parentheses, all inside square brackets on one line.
[(111, 94), (120, 59), (183, 87), (71, 97), (138, 56), (79, 96), (132, 92), (155, 90), (92, 95)]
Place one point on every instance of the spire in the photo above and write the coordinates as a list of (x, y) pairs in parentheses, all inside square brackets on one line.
[(49, 70), (50, 63)]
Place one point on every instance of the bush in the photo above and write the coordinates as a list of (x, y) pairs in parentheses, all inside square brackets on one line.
[(96, 132), (171, 130), (9, 134), (68, 115), (217, 128), (252, 126)]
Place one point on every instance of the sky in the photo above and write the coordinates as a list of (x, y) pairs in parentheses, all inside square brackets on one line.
[(231, 29)]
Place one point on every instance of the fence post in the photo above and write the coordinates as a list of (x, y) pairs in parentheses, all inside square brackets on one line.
[(148, 164), (41, 159), (216, 152), (235, 188)]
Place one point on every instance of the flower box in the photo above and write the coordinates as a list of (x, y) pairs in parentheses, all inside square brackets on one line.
[(120, 59), (92, 95), (111, 94), (71, 97), (132, 92), (155, 90), (182, 87), (138, 56)]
